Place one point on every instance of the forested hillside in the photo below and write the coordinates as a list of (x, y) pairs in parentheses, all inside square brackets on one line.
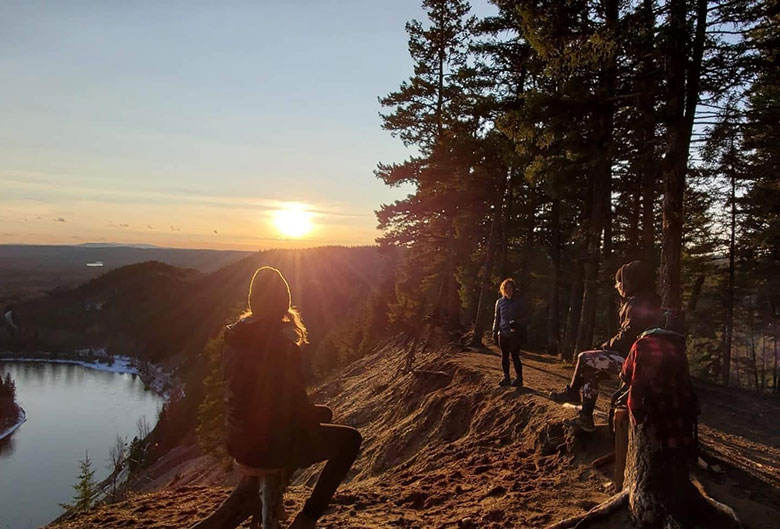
[(159, 312), (555, 141)]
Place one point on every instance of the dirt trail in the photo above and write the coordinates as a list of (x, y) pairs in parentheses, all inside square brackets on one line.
[(446, 447)]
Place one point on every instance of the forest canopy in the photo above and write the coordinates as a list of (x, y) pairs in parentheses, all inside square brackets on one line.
[(554, 141)]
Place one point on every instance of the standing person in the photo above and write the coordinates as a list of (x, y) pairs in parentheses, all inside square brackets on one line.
[(509, 329), (640, 310), (270, 421)]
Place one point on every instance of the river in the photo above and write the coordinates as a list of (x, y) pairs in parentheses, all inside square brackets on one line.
[(71, 410)]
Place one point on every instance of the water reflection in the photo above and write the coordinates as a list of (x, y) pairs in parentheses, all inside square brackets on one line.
[(70, 409), (7, 446)]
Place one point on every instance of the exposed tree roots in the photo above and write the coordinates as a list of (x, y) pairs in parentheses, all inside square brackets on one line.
[(599, 511), (696, 510)]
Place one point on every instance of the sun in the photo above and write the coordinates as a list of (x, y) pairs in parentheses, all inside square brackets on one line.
[(293, 221)]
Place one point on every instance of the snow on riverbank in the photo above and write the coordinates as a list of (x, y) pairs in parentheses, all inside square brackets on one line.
[(153, 376), (11, 429), (121, 364)]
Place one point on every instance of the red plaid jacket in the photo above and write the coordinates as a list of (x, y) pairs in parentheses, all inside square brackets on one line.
[(656, 370)]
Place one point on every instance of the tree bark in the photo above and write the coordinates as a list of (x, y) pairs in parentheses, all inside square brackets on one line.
[(660, 492), (553, 319), (726, 364), (683, 97), (488, 273), (610, 297), (649, 174), (573, 315), (602, 176), (775, 373)]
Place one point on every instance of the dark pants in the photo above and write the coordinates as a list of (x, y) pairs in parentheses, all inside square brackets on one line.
[(510, 346), (334, 443)]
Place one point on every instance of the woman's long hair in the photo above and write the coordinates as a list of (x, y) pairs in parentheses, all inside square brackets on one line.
[(269, 299), (505, 286)]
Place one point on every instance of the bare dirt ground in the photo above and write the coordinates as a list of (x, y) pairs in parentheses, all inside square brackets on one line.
[(444, 446)]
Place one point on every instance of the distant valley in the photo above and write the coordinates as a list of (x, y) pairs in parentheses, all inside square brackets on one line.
[(30, 270)]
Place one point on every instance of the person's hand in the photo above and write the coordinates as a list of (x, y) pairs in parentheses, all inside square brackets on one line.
[(495, 337)]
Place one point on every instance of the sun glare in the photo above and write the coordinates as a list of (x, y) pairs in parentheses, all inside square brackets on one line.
[(293, 221)]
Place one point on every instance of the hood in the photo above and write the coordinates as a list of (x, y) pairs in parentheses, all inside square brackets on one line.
[(636, 277)]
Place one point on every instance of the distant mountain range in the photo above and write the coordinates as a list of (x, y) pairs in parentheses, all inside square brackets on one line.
[(116, 245), (30, 270)]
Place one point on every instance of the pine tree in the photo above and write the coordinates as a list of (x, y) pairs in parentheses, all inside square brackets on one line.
[(211, 412), (429, 112), (84, 488)]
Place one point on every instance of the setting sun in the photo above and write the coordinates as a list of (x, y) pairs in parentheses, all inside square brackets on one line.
[(293, 221)]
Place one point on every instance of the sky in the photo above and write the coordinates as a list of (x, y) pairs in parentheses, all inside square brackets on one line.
[(190, 124)]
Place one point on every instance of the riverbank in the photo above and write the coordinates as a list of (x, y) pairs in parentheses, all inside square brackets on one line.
[(21, 417), (155, 377)]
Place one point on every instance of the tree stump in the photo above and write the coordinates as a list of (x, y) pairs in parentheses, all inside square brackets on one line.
[(658, 491), (259, 494)]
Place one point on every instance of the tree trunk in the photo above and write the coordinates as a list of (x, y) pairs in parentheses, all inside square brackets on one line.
[(529, 223), (602, 177), (751, 325), (648, 175), (774, 372), (484, 289), (610, 297), (683, 97), (505, 223), (553, 319), (695, 294), (730, 286), (573, 316), (633, 233), (660, 493)]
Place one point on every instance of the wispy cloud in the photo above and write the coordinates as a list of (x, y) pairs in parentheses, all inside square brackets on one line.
[(59, 219)]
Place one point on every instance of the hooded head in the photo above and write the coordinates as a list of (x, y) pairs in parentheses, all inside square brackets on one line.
[(633, 278), (269, 301), (269, 294)]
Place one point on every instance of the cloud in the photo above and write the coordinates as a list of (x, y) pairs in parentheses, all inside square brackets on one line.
[(58, 219), (150, 226), (124, 225), (215, 231), (174, 228)]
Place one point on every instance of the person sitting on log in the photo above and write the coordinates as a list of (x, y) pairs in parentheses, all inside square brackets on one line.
[(509, 329), (640, 310), (270, 421)]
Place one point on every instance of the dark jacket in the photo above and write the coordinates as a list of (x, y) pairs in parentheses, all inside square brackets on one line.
[(266, 405), (509, 310), (640, 310)]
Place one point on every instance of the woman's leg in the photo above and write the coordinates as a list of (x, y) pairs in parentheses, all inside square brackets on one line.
[(515, 351), (504, 344), (337, 444)]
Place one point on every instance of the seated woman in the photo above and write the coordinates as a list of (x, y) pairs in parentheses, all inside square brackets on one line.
[(640, 310), (270, 421)]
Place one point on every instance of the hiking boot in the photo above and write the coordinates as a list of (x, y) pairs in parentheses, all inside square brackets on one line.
[(505, 382), (567, 395), (582, 422), (518, 382)]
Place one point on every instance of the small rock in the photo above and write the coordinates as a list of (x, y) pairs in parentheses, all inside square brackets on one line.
[(466, 523)]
